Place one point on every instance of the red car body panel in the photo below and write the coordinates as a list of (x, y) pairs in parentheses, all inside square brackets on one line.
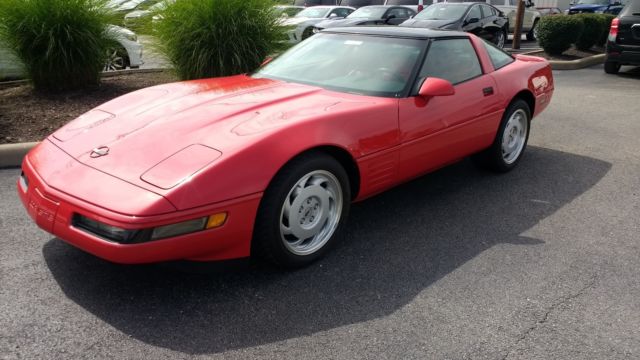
[(191, 149)]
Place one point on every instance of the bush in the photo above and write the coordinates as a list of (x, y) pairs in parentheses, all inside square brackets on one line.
[(557, 33), (591, 32), (211, 38), (61, 43), (605, 20)]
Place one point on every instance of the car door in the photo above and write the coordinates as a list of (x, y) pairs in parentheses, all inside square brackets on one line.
[(472, 22), (439, 130), (395, 16)]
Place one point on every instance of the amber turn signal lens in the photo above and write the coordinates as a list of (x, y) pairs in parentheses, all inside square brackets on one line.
[(216, 220)]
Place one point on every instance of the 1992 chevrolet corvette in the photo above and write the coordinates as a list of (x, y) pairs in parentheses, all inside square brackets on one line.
[(269, 163)]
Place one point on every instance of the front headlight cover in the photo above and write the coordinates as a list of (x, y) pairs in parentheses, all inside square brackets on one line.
[(180, 228)]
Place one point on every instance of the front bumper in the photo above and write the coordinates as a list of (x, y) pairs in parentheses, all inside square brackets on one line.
[(53, 210)]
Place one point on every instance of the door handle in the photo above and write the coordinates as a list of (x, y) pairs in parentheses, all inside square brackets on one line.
[(487, 91)]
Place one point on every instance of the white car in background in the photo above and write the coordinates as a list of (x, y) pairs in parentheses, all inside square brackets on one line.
[(126, 53), (302, 24)]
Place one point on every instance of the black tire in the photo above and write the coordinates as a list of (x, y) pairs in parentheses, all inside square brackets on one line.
[(611, 67), (269, 243), (493, 158), (531, 35)]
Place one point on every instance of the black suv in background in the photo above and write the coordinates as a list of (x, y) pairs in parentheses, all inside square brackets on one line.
[(623, 44)]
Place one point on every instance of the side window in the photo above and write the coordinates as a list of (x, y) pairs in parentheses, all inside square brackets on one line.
[(498, 57), (474, 12), (454, 60), (396, 13), (340, 12), (487, 11)]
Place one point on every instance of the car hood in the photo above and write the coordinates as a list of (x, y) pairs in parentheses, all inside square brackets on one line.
[(431, 24), (158, 137), (341, 22), (296, 20)]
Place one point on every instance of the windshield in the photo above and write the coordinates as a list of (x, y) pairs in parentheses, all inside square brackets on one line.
[(369, 12), (442, 12), (349, 63), (592, 2), (313, 12)]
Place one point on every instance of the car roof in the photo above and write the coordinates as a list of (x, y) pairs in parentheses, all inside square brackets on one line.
[(395, 31)]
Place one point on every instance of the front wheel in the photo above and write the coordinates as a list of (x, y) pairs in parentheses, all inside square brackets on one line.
[(307, 33), (511, 139), (302, 211), (117, 59)]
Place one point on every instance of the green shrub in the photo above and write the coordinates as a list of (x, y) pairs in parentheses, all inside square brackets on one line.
[(62, 44), (211, 38), (557, 33), (605, 20), (591, 32)]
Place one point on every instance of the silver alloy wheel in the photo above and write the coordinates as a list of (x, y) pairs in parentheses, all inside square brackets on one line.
[(500, 42), (311, 212), (514, 136), (114, 61)]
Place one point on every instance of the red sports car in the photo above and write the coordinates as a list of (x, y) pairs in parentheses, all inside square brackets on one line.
[(269, 163)]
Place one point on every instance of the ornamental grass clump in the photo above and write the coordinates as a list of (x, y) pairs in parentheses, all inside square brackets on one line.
[(211, 38), (557, 33), (62, 44)]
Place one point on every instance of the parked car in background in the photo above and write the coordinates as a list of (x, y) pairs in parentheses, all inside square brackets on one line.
[(370, 15), (132, 5), (623, 43), (595, 6), (334, 120), (301, 25), (128, 51), (416, 5), (139, 19), (360, 3), (530, 20), (549, 11), (480, 19), (287, 10)]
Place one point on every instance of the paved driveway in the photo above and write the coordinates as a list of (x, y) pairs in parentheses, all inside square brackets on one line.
[(540, 263)]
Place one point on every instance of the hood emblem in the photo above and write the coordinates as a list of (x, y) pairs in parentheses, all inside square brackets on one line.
[(99, 151)]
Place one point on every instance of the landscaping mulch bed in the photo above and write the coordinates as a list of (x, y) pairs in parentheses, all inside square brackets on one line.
[(27, 116), (571, 54)]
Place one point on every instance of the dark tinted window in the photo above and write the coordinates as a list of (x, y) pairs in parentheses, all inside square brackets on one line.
[(498, 57), (453, 59), (487, 10), (474, 12), (398, 13), (633, 7), (341, 12)]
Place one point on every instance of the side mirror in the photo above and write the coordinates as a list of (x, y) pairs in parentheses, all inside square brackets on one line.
[(472, 21), (433, 86), (333, 15)]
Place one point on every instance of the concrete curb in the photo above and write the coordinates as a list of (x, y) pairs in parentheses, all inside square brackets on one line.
[(11, 155), (14, 83), (578, 64), (572, 64)]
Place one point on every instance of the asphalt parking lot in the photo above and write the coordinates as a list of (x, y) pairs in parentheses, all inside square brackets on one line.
[(540, 263)]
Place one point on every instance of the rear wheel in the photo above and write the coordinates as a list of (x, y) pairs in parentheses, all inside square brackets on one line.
[(307, 33), (611, 67), (511, 139), (303, 211)]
